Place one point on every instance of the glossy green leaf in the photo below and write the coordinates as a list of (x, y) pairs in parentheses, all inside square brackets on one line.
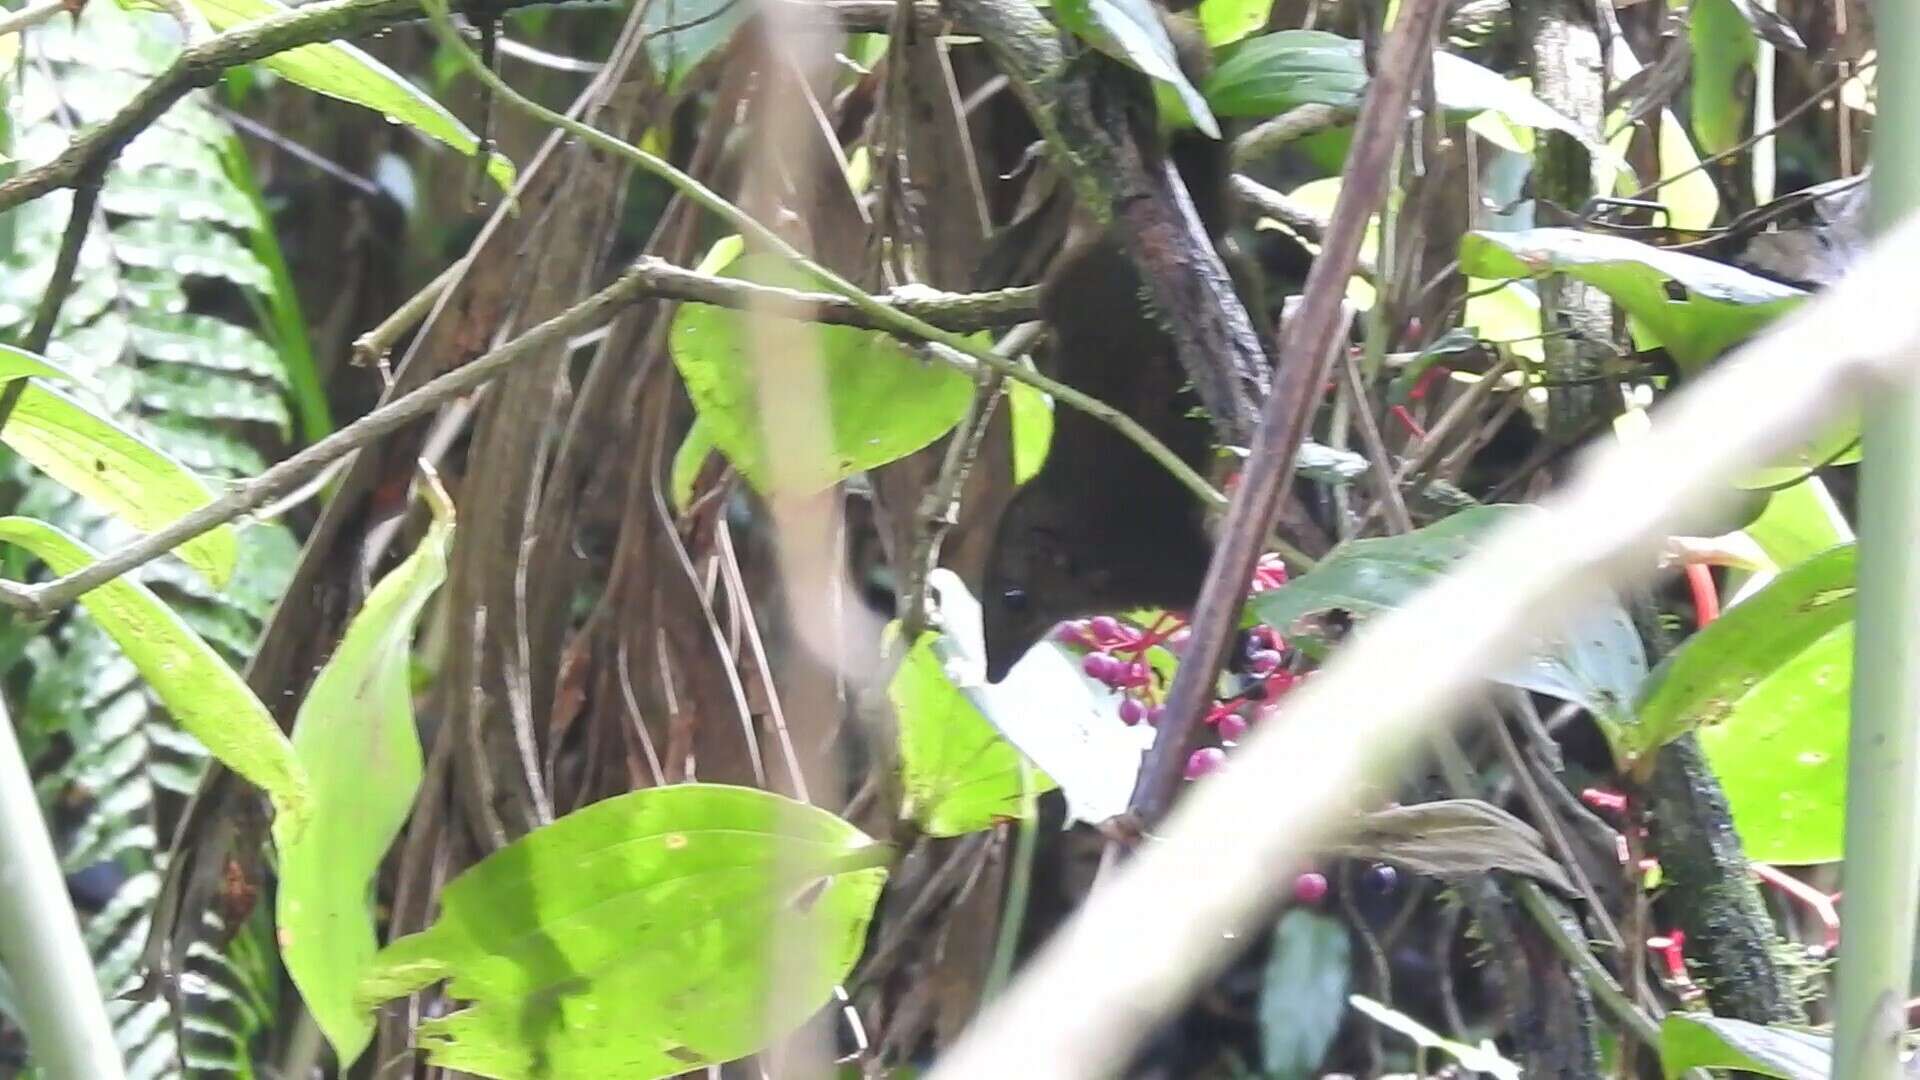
[(339, 70), (1598, 662), (1766, 685), (1131, 32), (1699, 1041), (1695, 308), (1303, 996), (121, 472), (1031, 416), (959, 774), (203, 694), (1227, 21), (1724, 50), (1270, 74), (882, 402), (355, 737), (636, 937)]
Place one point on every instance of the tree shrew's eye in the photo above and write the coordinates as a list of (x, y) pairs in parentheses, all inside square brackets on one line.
[(1015, 599)]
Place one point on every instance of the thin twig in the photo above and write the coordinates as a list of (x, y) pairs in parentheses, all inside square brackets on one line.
[(1294, 124), (36, 13), (376, 344), (1306, 352), (86, 195), (888, 318)]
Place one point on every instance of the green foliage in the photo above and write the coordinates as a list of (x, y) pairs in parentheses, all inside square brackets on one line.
[(355, 737), (1598, 662), (1697, 1041), (1303, 997), (1270, 74), (1031, 415), (1717, 305), (1767, 687), (1724, 50), (201, 691), (635, 937), (1131, 32), (340, 70), (1227, 21), (167, 356), (682, 33), (959, 774), (117, 470), (881, 402)]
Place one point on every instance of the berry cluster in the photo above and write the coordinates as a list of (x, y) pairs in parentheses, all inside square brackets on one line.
[(1116, 655)]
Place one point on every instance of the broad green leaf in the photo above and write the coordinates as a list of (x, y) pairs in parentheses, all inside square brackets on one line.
[(1272, 73), (1767, 685), (1597, 662), (116, 469), (1303, 996), (1065, 723), (339, 70), (1031, 415), (1483, 1058), (959, 774), (1227, 21), (1695, 308), (1131, 32), (355, 737), (636, 937), (1723, 54), (204, 695), (881, 401), (1699, 1041)]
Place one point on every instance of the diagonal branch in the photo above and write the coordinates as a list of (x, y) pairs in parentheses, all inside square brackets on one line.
[(1183, 904), (1307, 349)]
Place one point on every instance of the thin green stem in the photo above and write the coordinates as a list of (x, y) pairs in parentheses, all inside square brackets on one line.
[(1013, 913), (1882, 869), (41, 948), (891, 318)]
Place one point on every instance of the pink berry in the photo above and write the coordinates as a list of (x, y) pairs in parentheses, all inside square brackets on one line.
[(1098, 666), (1231, 727), (1310, 888), (1264, 661), (1205, 761), (1138, 673), (1132, 712), (1154, 714), (1073, 633), (1104, 627)]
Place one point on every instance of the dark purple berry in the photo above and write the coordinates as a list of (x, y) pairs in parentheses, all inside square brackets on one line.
[(1132, 712), (1154, 714), (1380, 879)]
